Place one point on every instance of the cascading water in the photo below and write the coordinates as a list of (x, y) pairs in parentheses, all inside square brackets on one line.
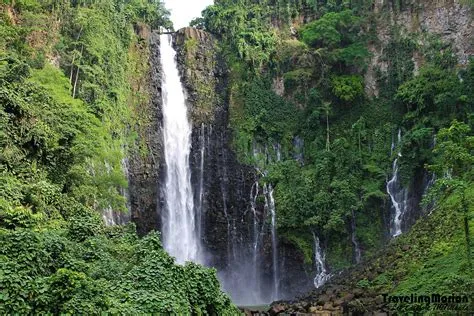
[(270, 207), (398, 194), (322, 276), (246, 279), (256, 242), (271, 200), (200, 206), (109, 216), (180, 235), (298, 144), (355, 243)]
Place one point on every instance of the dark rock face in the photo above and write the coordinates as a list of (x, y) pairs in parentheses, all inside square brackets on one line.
[(418, 187), (146, 171), (297, 277), (415, 191), (222, 186)]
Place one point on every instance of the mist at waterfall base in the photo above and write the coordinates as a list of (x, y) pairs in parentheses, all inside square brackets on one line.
[(248, 277)]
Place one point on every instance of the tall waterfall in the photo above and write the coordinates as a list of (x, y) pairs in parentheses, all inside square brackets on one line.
[(180, 234), (257, 236), (322, 275)]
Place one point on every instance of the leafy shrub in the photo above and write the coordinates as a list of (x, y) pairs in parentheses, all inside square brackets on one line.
[(87, 224), (347, 88), (19, 216)]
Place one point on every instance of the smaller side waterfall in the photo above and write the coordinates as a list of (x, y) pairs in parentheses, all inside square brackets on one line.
[(398, 194), (355, 243), (270, 207), (255, 282), (200, 193), (109, 216), (298, 146), (432, 177), (322, 276)]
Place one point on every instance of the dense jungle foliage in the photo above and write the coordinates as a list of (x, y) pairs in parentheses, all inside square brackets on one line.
[(318, 50), (71, 86)]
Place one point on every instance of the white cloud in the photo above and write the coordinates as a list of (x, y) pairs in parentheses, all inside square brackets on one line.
[(183, 11)]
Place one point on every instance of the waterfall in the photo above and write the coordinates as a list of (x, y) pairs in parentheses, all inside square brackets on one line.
[(322, 276), (255, 284), (398, 194), (180, 236), (298, 144), (355, 243), (432, 177), (200, 208), (109, 216), (270, 207), (246, 279)]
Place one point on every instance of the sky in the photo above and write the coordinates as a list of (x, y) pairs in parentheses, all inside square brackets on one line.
[(183, 11)]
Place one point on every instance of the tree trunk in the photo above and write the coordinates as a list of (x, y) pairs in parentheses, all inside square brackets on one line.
[(327, 130), (77, 75)]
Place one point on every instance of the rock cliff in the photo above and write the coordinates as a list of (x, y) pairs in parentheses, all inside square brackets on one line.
[(146, 167), (222, 185)]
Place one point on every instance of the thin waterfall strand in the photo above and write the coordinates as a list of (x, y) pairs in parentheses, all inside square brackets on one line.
[(355, 243), (322, 276), (398, 194)]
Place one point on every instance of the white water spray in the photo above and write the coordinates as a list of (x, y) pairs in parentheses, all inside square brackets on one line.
[(398, 194), (270, 206), (322, 276), (180, 236)]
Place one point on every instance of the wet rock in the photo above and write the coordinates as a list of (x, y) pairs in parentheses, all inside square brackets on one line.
[(314, 309), (276, 309), (146, 171), (348, 297), (323, 299), (379, 299), (338, 302), (328, 306)]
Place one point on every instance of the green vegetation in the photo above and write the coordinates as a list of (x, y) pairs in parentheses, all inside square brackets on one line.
[(72, 85), (85, 268), (436, 255), (347, 135), (72, 89)]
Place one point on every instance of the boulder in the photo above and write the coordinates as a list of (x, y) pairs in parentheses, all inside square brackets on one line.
[(276, 309)]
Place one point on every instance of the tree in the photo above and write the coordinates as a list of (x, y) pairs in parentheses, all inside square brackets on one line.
[(454, 165)]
